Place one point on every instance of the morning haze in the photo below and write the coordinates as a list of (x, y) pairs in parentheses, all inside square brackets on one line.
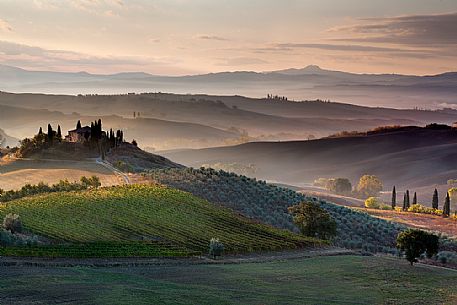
[(228, 152)]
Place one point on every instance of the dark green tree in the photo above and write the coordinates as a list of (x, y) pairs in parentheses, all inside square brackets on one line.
[(312, 220), (404, 202), (394, 198), (59, 133), (78, 125), (407, 200), (447, 206), (50, 134), (415, 198), (435, 200), (413, 243), (40, 132)]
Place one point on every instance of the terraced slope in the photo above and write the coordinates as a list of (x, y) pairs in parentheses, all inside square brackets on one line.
[(170, 221)]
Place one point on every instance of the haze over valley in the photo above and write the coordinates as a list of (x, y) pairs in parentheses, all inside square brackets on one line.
[(228, 152)]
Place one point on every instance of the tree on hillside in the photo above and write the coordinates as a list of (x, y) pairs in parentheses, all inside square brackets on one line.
[(59, 133), (312, 220), (50, 134), (340, 186), (394, 198), (369, 186), (435, 200), (78, 125), (447, 206), (40, 132), (407, 202), (413, 243), (415, 198)]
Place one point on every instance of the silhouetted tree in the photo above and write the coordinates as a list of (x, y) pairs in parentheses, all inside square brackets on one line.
[(394, 197), (435, 200), (78, 125), (415, 198), (404, 202), (413, 243), (407, 200), (40, 132), (50, 134), (59, 133)]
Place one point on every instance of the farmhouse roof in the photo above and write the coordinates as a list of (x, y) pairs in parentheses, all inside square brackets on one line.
[(81, 130)]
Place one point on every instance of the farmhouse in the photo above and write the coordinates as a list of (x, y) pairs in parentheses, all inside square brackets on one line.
[(79, 135)]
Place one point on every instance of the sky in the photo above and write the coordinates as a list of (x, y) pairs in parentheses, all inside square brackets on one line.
[(180, 37)]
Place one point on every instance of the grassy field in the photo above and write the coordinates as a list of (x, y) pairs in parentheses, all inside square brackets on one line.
[(15, 173), (154, 215), (320, 280)]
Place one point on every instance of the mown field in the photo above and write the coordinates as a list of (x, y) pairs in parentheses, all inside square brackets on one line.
[(170, 222), (15, 173), (319, 280)]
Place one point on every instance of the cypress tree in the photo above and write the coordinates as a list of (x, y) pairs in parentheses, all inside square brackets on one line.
[(59, 133), (50, 133), (407, 200), (78, 125), (394, 198), (415, 198), (404, 202), (40, 132), (447, 206), (435, 200)]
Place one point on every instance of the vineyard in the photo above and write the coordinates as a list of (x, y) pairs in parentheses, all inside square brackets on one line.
[(139, 220), (268, 203)]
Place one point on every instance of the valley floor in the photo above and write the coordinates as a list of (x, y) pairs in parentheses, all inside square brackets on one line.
[(318, 280)]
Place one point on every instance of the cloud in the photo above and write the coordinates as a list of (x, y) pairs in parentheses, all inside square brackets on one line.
[(423, 30), (97, 7), (338, 47), (39, 58), (211, 37), (241, 61), (5, 26)]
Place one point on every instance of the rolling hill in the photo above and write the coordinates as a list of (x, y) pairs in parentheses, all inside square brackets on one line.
[(139, 220), (406, 157), (172, 121)]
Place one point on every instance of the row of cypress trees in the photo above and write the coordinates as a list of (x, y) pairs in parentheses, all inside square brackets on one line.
[(435, 201)]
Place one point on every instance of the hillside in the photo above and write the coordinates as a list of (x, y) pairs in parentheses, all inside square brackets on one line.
[(405, 157), (388, 90), (22, 122), (173, 121), (6, 140), (141, 221)]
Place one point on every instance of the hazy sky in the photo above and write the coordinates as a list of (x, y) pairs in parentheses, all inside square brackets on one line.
[(197, 36)]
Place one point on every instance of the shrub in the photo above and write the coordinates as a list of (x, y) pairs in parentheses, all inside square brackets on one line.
[(216, 248), (373, 203), (447, 257), (12, 223), (385, 207), (418, 208), (413, 243)]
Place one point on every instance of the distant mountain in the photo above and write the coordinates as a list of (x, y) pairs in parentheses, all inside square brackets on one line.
[(405, 157), (311, 82)]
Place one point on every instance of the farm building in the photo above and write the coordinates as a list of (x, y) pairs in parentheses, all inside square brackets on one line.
[(79, 135)]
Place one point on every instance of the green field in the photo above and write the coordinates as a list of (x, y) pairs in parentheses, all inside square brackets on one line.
[(168, 221), (319, 280)]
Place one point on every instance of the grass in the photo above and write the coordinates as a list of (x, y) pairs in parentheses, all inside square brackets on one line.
[(144, 213), (320, 280), (15, 173)]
